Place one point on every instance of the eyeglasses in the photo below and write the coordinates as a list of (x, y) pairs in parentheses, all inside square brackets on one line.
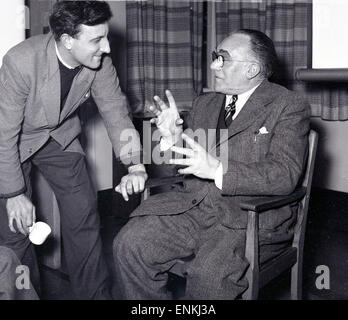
[(221, 56)]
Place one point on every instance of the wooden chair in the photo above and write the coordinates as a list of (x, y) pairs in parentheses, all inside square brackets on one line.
[(260, 275)]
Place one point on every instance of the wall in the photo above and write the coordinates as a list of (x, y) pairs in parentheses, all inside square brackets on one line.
[(331, 170), (12, 14), (330, 24)]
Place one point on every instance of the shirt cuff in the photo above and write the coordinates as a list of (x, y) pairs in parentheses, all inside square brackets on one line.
[(136, 167), (219, 176)]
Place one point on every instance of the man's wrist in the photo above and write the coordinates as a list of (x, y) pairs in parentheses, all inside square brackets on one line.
[(136, 167), (219, 176), (167, 142)]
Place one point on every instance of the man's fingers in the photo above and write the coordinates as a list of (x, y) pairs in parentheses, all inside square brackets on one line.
[(136, 187), (141, 184), (184, 151), (129, 186), (29, 218), (160, 103), (155, 110), (124, 192), (182, 162), (34, 215), (154, 120), (179, 122), (172, 104), (187, 170), (20, 226), (10, 224), (193, 144)]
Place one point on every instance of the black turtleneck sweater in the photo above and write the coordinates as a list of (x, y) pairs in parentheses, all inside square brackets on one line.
[(66, 79)]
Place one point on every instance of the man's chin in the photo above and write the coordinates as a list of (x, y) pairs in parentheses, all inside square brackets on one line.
[(218, 89), (94, 65)]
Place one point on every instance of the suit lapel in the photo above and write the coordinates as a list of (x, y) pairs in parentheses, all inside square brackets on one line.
[(50, 91), (79, 88), (252, 110), (214, 108), (209, 118)]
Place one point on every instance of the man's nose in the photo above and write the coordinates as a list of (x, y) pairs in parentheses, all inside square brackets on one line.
[(215, 65), (105, 46)]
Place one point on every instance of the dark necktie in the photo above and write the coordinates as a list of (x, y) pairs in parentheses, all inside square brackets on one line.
[(230, 110)]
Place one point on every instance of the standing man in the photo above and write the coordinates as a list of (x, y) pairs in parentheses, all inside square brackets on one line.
[(43, 81), (266, 145)]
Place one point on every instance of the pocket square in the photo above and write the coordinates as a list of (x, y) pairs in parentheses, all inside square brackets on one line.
[(263, 130)]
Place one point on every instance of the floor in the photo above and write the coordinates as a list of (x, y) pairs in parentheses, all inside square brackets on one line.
[(325, 245)]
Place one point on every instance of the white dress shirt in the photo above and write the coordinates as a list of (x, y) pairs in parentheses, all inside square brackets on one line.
[(242, 99)]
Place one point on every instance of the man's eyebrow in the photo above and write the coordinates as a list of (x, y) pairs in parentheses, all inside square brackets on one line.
[(223, 51), (97, 38)]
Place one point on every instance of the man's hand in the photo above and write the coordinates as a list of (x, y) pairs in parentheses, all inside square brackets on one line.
[(21, 210), (133, 182), (198, 161), (167, 118)]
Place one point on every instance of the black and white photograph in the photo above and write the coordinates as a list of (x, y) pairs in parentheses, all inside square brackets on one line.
[(173, 156)]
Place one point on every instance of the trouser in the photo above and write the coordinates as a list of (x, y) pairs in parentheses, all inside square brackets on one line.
[(15, 281), (148, 246), (67, 175)]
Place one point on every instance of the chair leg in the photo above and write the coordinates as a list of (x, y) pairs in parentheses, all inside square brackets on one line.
[(296, 281), (252, 293)]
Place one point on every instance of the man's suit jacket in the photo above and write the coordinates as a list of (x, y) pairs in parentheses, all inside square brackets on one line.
[(259, 163), (30, 107)]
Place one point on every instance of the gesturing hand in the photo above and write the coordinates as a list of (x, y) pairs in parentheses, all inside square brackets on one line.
[(198, 161), (21, 210), (167, 118)]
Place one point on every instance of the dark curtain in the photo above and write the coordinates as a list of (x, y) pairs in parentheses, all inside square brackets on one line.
[(164, 51)]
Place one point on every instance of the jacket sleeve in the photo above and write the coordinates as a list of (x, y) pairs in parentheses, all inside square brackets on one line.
[(278, 173), (13, 95), (113, 108)]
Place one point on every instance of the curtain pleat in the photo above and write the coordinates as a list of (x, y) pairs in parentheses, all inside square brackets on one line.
[(164, 47)]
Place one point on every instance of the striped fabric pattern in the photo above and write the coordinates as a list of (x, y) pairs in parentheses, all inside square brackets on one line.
[(286, 23), (164, 48)]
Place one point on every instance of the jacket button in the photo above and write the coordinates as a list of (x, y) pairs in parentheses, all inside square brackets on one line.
[(30, 150), (194, 201)]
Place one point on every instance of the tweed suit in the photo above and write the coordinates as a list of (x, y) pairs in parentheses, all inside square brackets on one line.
[(203, 221), (35, 131)]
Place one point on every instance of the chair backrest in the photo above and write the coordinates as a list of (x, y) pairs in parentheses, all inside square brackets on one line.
[(307, 183), (291, 258)]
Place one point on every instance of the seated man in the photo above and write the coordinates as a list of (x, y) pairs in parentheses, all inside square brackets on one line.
[(10, 275), (265, 142)]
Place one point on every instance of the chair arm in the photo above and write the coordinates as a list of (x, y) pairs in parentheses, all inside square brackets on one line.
[(157, 182), (259, 205)]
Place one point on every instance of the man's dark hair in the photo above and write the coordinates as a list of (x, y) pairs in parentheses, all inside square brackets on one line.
[(67, 16), (263, 49)]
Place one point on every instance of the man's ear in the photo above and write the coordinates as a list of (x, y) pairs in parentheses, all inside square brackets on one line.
[(253, 70), (66, 40)]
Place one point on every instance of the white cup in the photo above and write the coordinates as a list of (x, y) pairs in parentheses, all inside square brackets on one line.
[(39, 232)]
